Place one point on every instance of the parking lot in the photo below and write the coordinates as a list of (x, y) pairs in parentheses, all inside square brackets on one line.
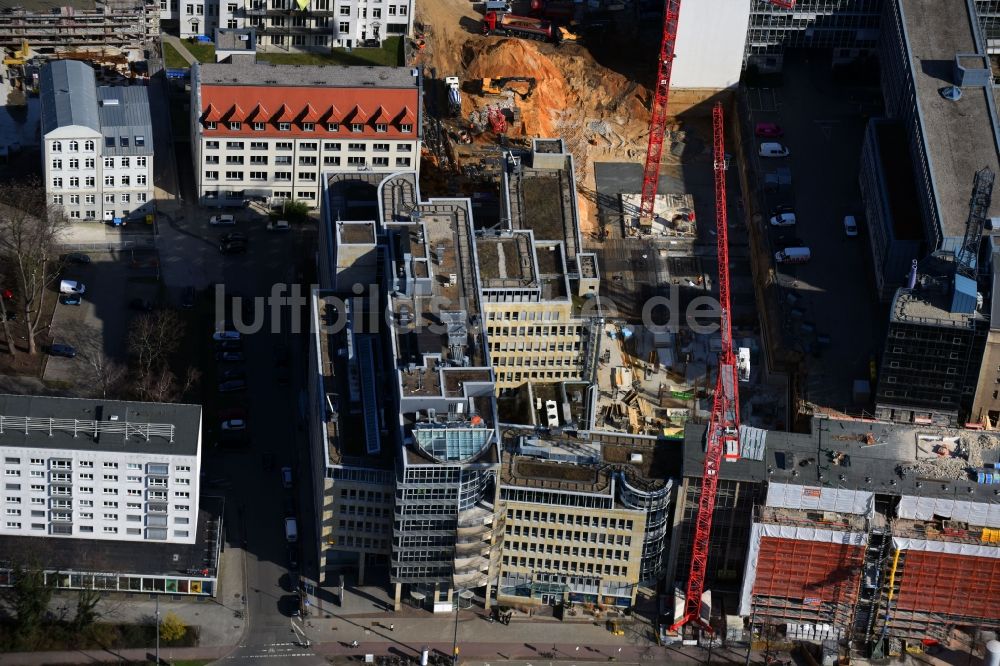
[(829, 304), (98, 327)]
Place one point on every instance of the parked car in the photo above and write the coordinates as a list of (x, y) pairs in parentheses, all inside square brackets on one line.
[(286, 477), (783, 220), (218, 336), (773, 149), (279, 225), (778, 210), (71, 287), (850, 226), (58, 349), (234, 424), (233, 247), (187, 298), (233, 236), (71, 299), (230, 357), (77, 258), (222, 220), (229, 345), (232, 413), (232, 386), (233, 373), (293, 558), (291, 530), (141, 305), (768, 130)]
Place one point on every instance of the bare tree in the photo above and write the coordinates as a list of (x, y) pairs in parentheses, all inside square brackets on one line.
[(152, 338), (30, 231), (109, 375), (8, 335)]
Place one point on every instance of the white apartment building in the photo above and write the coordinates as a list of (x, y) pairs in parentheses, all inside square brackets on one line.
[(97, 145), (294, 25), (99, 469), (267, 132)]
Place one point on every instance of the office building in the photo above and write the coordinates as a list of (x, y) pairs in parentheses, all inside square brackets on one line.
[(861, 531), (539, 287), (267, 132), (97, 145), (293, 25), (53, 27), (426, 444), (585, 517)]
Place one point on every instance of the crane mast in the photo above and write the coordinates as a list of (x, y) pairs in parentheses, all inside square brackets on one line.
[(723, 429), (658, 118)]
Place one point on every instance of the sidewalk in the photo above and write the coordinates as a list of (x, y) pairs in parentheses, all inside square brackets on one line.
[(178, 44)]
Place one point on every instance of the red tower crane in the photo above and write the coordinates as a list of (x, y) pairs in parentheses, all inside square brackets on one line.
[(661, 94), (658, 118), (724, 427)]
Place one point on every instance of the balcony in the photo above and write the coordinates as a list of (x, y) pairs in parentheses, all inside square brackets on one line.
[(473, 549)]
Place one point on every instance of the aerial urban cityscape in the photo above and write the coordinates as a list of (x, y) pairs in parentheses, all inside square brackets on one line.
[(536, 332)]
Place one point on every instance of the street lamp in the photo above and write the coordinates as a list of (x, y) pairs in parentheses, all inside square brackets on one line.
[(157, 630)]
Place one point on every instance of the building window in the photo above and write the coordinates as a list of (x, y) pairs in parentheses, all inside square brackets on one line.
[(331, 160), (88, 146), (126, 162), (74, 146), (212, 145), (211, 175), (355, 161), (88, 198), (57, 164), (284, 127), (140, 179), (405, 128), (308, 127), (234, 175), (234, 145), (380, 161), (74, 199), (57, 199), (258, 127), (57, 182), (109, 198), (88, 163), (126, 181), (210, 124), (141, 197), (109, 180), (357, 127), (402, 161), (140, 141), (333, 127), (56, 146), (235, 126)]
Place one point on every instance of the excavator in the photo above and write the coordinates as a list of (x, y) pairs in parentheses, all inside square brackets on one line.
[(497, 86)]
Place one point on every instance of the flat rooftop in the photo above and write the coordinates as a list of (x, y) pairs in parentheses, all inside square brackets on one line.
[(506, 261), (242, 39), (930, 306), (891, 459), (99, 425), (324, 76), (959, 136), (647, 462), (71, 554)]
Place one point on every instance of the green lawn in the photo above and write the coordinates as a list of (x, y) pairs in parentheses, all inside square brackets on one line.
[(172, 59), (203, 52), (390, 54)]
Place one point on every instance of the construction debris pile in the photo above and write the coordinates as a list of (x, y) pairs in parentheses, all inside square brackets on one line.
[(950, 458)]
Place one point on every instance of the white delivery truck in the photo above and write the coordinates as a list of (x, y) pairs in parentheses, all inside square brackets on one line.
[(793, 255)]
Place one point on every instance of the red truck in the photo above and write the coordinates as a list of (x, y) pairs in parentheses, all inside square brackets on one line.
[(525, 27)]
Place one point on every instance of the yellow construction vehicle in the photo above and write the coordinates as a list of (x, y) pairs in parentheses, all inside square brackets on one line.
[(20, 56), (497, 86)]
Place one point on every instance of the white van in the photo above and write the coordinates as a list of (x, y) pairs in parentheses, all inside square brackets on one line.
[(773, 149), (291, 530), (793, 255), (222, 220), (71, 287), (497, 6)]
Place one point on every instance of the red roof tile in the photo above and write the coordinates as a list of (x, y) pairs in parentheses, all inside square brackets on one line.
[(308, 115), (380, 116), (328, 104), (284, 115), (211, 114), (259, 114), (406, 117), (235, 114)]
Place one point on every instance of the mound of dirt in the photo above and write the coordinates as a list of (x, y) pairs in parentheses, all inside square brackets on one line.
[(573, 94)]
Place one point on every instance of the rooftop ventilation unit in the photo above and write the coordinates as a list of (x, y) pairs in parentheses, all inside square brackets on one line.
[(953, 93)]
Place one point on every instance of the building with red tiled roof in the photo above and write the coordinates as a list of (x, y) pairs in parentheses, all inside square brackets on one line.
[(267, 132)]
